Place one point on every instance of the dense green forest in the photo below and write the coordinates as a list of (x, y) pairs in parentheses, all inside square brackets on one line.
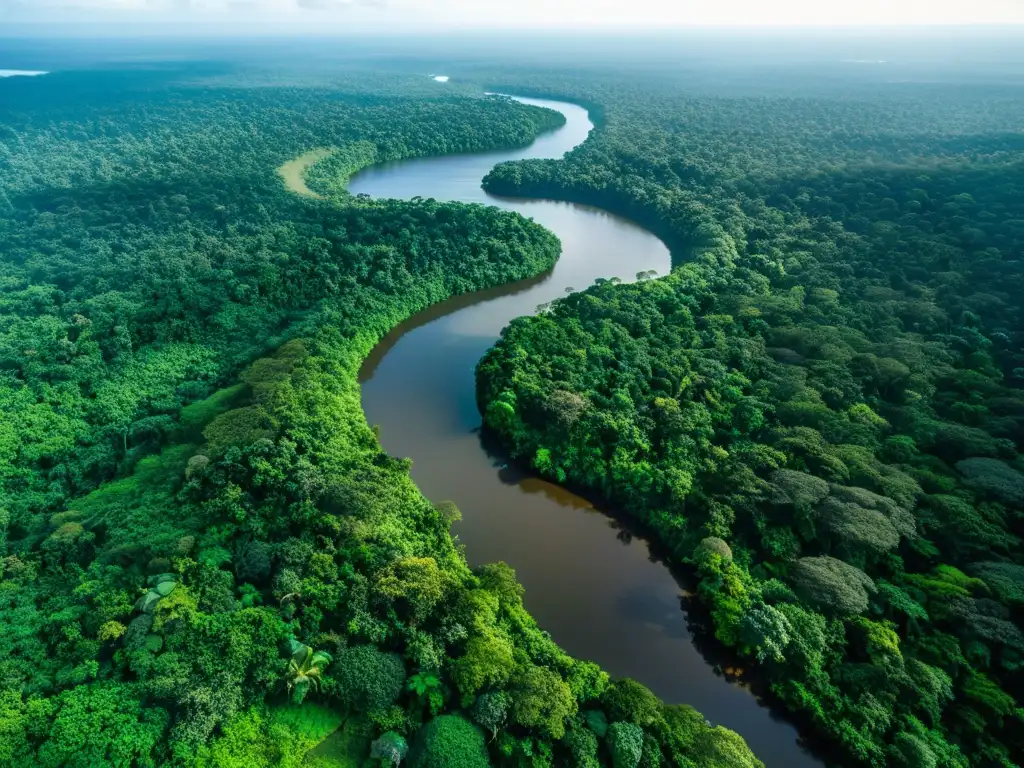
[(207, 559), (820, 410)]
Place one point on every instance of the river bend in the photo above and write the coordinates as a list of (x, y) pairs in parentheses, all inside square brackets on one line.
[(590, 582)]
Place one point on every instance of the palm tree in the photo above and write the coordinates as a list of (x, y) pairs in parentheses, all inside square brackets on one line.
[(304, 670)]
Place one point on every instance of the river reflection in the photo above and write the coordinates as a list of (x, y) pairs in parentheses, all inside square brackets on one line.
[(592, 581)]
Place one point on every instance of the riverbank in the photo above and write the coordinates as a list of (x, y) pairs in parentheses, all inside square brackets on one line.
[(418, 388), (615, 234)]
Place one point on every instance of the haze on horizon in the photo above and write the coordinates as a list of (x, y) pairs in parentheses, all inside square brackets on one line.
[(242, 16)]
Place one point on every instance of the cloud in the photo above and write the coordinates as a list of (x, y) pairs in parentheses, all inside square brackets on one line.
[(335, 5), (111, 5), (114, 5), (127, 6), (317, 14)]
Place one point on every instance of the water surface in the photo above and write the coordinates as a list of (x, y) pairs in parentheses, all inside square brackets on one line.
[(593, 585)]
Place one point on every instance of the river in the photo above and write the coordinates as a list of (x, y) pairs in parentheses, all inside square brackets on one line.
[(595, 586)]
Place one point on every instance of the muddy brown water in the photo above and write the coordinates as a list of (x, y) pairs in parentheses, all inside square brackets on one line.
[(599, 589)]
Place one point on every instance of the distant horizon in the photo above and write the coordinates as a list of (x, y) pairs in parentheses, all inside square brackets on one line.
[(223, 29), (326, 17)]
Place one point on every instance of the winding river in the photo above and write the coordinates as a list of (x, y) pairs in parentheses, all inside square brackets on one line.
[(598, 588)]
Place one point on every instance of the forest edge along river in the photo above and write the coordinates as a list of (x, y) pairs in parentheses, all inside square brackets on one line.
[(595, 585)]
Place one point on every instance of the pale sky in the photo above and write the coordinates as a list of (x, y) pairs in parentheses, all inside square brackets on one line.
[(391, 14)]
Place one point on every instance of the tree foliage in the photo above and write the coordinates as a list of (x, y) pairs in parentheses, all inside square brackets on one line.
[(449, 741), (831, 585), (829, 380), (626, 744)]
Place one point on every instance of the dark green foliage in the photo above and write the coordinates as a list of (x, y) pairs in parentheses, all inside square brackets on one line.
[(177, 554), (994, 478), (207, 558), (449, 741), (99, 724), (101, 223), (820, 407), (766, 631), (689, 741), (391, 748), (582, 745), (797, 488), (629, 701), (826, 394), (831, 585), (367, 679), (596, 721), (626, 744), (652, 756), (1006, 580), (713, 545), (490, 710)]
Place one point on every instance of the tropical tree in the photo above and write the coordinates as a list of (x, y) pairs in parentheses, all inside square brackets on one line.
[(304, 670)]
